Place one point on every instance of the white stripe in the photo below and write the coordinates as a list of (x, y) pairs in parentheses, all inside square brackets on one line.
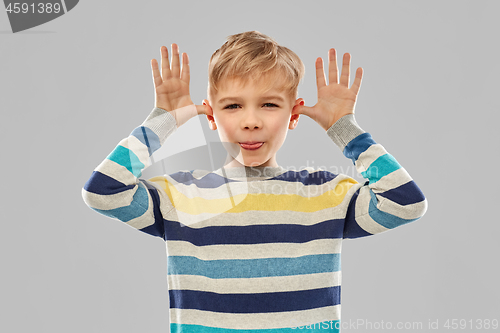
[(257, 217), (411, 211), (255, 285), (138, 148), (117, 172), (110, 201), (254, 251), (390, 181), (255, 320), (366, 158)]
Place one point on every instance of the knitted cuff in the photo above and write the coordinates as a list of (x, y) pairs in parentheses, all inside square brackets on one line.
[(161, 122), (344, 130)]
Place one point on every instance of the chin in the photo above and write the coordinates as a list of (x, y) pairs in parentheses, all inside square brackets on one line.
[(249, 162)]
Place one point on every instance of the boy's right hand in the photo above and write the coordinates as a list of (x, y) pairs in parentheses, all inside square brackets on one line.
[(172, 86)]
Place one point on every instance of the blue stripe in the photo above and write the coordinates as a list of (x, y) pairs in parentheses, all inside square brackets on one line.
[(137, 207), (332, 326), (148, 138), (126, 157), (252, 268), (213, 180), (405, 194), (385, 219), (102, 184), (358, 145), (254, 234), (255, 302), (381, 167)]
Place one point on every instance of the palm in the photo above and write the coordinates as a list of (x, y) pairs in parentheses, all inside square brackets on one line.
[(173, 93), (336, 99), (172, 86), (339, 99)]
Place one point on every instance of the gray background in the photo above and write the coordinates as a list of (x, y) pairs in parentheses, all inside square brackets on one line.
[(71, 89)]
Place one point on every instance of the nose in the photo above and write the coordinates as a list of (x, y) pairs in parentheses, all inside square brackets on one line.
[(251, 119)]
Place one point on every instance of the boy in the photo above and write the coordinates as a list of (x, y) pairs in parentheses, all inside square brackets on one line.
[(253, 246)]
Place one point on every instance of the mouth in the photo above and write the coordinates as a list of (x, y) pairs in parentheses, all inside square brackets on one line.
[(251, 145)]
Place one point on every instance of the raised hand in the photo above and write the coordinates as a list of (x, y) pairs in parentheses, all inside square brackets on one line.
[(172, 86), (335, 100)]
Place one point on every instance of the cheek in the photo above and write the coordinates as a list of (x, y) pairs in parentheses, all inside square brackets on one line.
[(226, 129), (283, 123), (280, 127)]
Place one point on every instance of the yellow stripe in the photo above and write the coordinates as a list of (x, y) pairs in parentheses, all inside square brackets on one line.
[(255, 201)]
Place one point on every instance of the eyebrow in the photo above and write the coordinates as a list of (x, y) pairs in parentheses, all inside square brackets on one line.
[(237, 99)]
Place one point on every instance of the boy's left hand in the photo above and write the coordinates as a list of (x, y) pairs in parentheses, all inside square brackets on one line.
[(335, 100)]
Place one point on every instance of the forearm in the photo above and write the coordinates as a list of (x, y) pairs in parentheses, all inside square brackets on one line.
[(390, 198), (114, 188)]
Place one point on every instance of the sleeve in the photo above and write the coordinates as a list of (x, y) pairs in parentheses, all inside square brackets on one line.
[(114, 188), (389, 198)]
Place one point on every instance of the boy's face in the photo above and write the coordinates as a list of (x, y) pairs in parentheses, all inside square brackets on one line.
[(243, 112)]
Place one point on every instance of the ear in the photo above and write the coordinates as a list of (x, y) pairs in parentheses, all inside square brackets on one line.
[(294, 118), (210, 115)]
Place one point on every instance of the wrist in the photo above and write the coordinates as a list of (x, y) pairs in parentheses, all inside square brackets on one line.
[(181, 115)]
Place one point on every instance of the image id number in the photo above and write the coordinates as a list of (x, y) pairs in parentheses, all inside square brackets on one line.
[(479, 324), (39, 8)]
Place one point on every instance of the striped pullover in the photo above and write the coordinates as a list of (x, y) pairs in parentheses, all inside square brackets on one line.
[(254, 249)]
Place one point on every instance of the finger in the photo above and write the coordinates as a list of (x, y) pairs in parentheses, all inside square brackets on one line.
[(344, 78), (176, 67), (165, 66), (201, 109), (156, 73), (333, 70), (302, 109), (185, 68), (357, 81), (320, 73)]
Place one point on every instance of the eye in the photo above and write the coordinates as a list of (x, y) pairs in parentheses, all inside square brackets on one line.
[(270, 105), (231, 106)]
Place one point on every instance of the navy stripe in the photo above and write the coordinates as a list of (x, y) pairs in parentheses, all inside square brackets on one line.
[(145, 136), (351, 227), (158, 228), (150, 152), (148, 138), (254, 234), (306, 178), (100, 183), (136, 208), (405, 194), (358, 145), (255, 302), (212, 180)]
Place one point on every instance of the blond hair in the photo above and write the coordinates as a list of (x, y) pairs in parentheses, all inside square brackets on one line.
[(253, 55)]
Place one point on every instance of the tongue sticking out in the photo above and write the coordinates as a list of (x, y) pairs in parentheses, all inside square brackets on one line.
[(251, 146)]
